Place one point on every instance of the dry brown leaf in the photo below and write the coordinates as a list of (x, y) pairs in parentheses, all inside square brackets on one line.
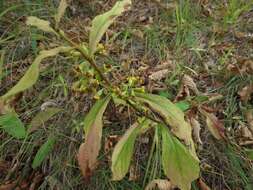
[(245, 132), (162, 184), (249, 117), (202, 185), (159, 75), (247, 66), (168, 64), (1, 107), (88, 151), (9, 186), (245, 92), (188, 81), (187, 84), (109, 144), (196, 129), (134, 173), (214, 125)]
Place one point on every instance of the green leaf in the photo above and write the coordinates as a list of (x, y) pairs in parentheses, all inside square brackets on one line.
[(32, 74), (183, 105), (60, 12), (43, 152), (42, 117), (172, 115), (41, 24), (123, 151), (102, 22), (89, 150), (13, 125), (178, 163)]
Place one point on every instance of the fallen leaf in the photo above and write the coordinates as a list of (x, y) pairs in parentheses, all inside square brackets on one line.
[(161, 184), (202, 185), (196, 129), (214, 125), (89, 150), (246, 133), (188, 81), (245, 92), (134, 172), (109, 144), (187, 84), (249, 118), (159, 75)]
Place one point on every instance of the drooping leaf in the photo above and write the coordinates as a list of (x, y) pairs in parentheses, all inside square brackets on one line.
[(32, 74), (42, 117), (89, 150), (214, 125), (43, 152), (60, 12), (173, 116), (41, 24), (13, 125), (178, 163), (123, 151), (102, 22)]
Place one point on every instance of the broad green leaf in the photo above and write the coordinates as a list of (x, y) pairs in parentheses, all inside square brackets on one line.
[(13, 125), (42, 117), (173, 116), (41, 24), (102, 22), (123, 151), (60, 12), (89, 150), (43, 152), (32, 74), (178, 163), (183, 105)]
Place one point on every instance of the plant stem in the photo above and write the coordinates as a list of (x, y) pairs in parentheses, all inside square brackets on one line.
[(103, 77), (87, 57)]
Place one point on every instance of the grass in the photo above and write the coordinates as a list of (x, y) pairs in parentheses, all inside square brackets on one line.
[(185, 33)]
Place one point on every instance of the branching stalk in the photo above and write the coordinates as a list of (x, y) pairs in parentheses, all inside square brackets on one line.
[(107, 82)]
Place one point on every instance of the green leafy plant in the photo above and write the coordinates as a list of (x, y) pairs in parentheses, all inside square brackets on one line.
[(179, 159)]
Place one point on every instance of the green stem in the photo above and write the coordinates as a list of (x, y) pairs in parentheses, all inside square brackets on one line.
[(103, 77)]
